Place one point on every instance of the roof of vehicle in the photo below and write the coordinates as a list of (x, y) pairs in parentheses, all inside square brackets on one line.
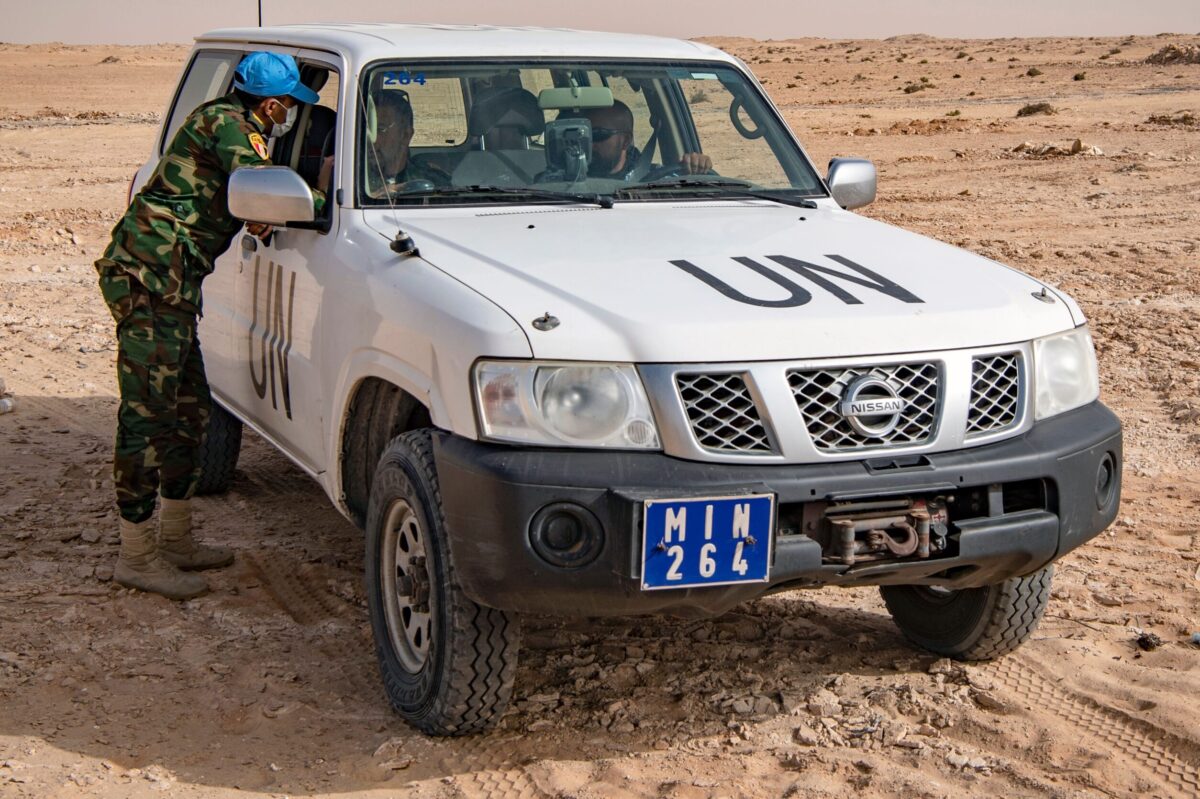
[(364, 42)]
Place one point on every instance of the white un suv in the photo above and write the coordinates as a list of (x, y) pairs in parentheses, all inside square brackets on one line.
[(583, 331)]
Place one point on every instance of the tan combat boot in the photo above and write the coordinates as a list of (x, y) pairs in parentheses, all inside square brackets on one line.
[(140, 566), (175, 541)]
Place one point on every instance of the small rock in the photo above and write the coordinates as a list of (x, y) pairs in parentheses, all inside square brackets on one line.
[(957, 760), (743, 706), (790, 702), (805, 736), (988, 702), (824, 703), (90, 536), (399, 764), (1106, 599), (893, 733), (104, 573), (947, 668), (1148, 642)]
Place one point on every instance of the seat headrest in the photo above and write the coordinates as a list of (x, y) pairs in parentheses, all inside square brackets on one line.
[(511, 107)]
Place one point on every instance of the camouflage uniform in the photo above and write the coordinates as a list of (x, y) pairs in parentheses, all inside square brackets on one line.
[(150, 275)]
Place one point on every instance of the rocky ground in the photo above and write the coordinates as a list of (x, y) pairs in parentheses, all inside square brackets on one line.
[(268, 686)]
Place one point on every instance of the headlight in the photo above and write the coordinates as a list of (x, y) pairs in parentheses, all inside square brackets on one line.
[(564, 404), (1067, 375)]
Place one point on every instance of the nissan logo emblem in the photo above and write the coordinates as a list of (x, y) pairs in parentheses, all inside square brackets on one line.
[(872, 407)]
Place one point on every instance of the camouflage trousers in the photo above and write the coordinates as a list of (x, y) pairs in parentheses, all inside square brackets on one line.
[(165, 401)]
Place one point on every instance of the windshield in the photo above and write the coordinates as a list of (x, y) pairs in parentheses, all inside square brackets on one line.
[(559, 132)]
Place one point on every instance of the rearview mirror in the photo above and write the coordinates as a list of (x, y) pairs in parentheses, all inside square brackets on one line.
[(852, 182), (575, 97), (273, 195)]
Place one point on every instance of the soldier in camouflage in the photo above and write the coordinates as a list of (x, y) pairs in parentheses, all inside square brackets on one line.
[(150, 276)]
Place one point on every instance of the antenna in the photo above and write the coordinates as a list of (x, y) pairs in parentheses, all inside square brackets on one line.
[(260, 13), (403, 243)]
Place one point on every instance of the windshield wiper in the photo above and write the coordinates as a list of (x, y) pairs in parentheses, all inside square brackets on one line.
[(602, 200), (727, 188)]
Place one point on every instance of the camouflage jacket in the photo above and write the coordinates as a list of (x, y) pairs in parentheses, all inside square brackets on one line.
[(179, 222)]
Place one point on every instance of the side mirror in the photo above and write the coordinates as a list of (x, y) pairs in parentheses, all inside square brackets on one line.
[(852, 182), (273, 195)]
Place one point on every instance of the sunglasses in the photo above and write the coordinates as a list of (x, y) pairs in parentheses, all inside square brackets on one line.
[(393, 95), (604, 134)]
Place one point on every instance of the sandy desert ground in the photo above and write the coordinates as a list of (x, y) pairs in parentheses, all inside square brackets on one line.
[(268, 686)]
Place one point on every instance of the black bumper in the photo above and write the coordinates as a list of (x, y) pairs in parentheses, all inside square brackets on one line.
[(491, 493)]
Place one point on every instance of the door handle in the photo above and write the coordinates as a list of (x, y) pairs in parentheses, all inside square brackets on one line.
[(249, 244)]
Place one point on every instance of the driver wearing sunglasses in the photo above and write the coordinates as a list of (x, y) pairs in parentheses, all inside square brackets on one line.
[(613, 153)]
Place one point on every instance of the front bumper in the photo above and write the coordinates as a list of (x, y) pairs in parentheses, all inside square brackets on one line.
[(490, 494)]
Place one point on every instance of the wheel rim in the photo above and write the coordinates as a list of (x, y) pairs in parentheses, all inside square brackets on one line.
[(406, 582), (936, 594)]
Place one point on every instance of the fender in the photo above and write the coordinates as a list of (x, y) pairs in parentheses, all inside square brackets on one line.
[(360, 365)]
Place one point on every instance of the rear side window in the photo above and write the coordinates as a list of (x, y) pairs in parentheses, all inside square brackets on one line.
[(208, 77)]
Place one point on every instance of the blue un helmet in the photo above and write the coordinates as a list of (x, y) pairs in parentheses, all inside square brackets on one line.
[(266, 74)]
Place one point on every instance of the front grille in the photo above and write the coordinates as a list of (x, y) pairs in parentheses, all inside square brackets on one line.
[(818, 392), (722, 413), (995, 393)]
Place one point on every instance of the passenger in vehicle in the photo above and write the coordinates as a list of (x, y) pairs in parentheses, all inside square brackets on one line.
[(390, 168), (613, 154)]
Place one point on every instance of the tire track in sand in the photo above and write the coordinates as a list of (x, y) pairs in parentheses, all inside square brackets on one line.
[(1171, 758), (493, 770)]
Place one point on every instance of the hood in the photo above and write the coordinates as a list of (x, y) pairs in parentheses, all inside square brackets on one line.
[(731, 281)]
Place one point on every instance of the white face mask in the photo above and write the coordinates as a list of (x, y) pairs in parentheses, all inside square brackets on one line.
[(280, 128)]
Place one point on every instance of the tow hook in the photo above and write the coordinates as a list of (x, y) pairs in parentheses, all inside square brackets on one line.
[(879, 537)]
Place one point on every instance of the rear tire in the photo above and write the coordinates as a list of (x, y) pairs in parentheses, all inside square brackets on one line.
[(447, 663), (971, 623), (219, 452)]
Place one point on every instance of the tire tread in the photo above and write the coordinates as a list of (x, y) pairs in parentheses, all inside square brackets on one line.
[(1010, 613), (219, 453), (481, 664)]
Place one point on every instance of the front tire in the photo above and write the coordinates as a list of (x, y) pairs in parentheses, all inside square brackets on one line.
[(219, 452), (447, 663), (971, 623)]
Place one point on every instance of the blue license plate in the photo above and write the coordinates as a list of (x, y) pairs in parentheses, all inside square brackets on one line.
[(709, 541)]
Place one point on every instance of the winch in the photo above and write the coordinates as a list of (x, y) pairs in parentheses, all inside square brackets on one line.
[(854, 532)]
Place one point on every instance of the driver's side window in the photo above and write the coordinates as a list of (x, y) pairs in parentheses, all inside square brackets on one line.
[(313, 139)]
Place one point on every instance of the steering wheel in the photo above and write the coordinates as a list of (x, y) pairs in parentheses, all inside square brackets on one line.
[(675, 170), (735, 107), (415, 185), (664, 171)]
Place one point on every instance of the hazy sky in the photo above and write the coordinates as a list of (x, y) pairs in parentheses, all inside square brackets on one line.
[(130, 22)]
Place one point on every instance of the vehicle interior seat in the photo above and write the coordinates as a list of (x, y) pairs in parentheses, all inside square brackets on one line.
[(318, 139), (500, 125)]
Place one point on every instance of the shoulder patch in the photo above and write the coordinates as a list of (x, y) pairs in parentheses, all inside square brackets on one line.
[(260, 146)]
